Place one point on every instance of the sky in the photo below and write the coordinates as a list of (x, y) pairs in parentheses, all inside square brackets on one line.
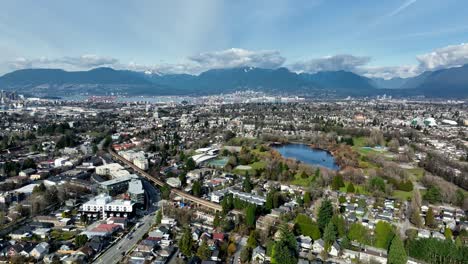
[(394, 38)]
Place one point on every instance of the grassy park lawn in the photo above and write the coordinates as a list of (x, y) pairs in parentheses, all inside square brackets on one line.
[(298, 180), (402, 195), (358, 189)]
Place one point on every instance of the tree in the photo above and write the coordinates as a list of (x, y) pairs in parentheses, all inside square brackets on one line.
[(359, 233), (158, 217), (430, 218), (305, 226), (284, 251), (383, 234), (340, 225), (196, 188), (250, 215), (433, 195), (415, 208), (245, 255), (337, 182), (377, 183), (84, 219), (325, 214), (203, 251), (448, 234), (190, 164), (165, 191), (329, 235), (186, 243), (247, 184), (350, 188), (252, 240), (183, 179), (397, 252), (459, 197), (39, 188), (231, 249), (307, 198), (393, 145), (80, 240), (217, 220)]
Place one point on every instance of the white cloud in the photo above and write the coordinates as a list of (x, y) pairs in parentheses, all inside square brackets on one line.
[(195, 64), (83, 62), (231, 58), (450, 56), (344, 62), (388, 72)]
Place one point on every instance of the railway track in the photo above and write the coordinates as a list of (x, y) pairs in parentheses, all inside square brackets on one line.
[(194, 199)]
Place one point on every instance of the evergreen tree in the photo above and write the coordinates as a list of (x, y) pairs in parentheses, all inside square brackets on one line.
[(337, 182), (186, 243), (158, 217), (397, 252), (383, 234), (285, 251), (448, 234), (80, 240), (430, 218), (196, 188), (307, 199), (247, 184), (325, 214), (252, 240), (250, 215), (204, 252), (329, 235), (350, 188)]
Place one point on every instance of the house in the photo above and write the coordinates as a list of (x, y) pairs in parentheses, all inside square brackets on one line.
[(27, 172), (74, 258), (438, 235), (98, 243), (423, 233), (42, 232), (218, 236), (215, 255), (196, 234), (318, 246), (258, 254), (21, 233), (335, 250), (121, 221), (40, 250), (305, 242)]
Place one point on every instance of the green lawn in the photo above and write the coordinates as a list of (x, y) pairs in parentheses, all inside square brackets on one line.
[(402, 195), (62, 235), (256, 166), (358, 189), (298, 180), (417, 173)]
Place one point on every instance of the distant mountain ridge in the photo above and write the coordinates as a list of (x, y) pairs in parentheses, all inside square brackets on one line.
[(452, 81)]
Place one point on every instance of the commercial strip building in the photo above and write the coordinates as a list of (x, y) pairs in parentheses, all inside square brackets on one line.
[(103, 207)]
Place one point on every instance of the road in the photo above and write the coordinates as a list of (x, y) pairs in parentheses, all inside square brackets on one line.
[(114, 254), (240, 246)]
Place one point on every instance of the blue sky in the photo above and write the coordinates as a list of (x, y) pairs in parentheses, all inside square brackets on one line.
[(374, 38)]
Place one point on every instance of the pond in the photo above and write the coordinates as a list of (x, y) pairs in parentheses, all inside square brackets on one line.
[(308, 155)]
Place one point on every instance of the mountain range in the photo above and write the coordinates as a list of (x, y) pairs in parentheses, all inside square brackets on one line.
[(450, 83)]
